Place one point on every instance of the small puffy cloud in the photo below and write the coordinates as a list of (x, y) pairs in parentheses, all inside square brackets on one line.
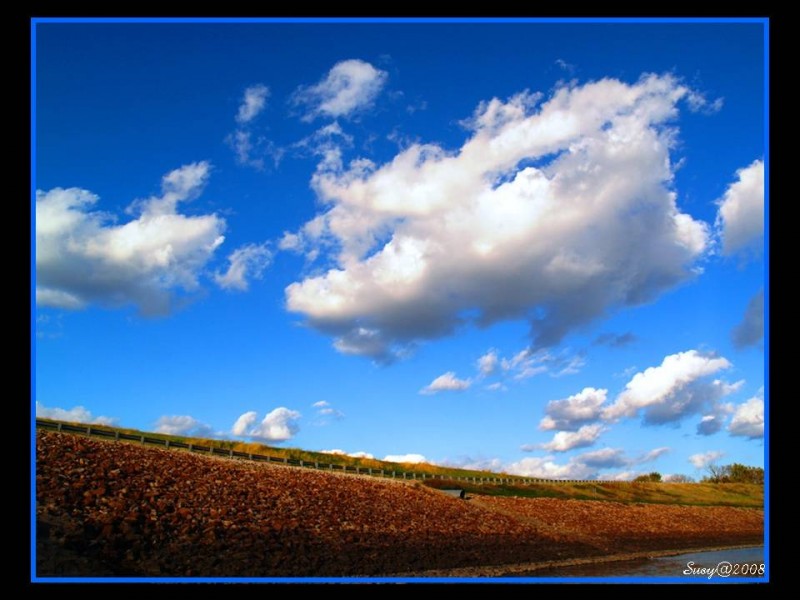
[(361, 454), (573, 412), (488, 363), (698, 102), (702, 460), (614, 340), (711, 423), (564, 65), (244, 264), (497, 386), (279, 425), (741, 210), (83, 256), (447, 382), (350, 85), (77, 414), (750, 331), (352, 454), (673, 390), (325, 412), (184, 425), (748, 419), (405, 458), (253, 102), (435, 238), (567, 440), (546, 468)]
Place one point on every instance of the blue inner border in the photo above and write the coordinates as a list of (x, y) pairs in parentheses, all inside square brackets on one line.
[(483, 580)]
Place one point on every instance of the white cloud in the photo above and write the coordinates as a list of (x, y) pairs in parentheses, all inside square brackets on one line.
[(349, 86), (673, 390), (361, 455), (702, 460), (652, 455), (434, 235), (278, 426), (251, 150), (325, 411), (750, 331), (253, 102), (184, 425), (245, 263), (546, 468), (741, 210), (711, 423), (699, 103), (496, 387), (446, 382), (579, 409), (748, 420), (475, 464), (607, 458), (78, 414), (567, 440), (353, 454), (623, 476), (405, 458), (528, 363), (488, 363), (84, 257)]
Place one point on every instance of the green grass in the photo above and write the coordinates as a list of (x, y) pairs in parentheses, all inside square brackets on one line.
[(720, 494), (701, 494)]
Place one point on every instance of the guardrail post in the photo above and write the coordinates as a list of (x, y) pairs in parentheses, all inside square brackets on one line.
[(369, 470), (59, 426), (286, 460), (166, 443), (331, 466), (301, 462), (230, 453), (190, 447), (393, 474), (357, 471), (89, 430), (116, 436), (316, 464), (249, 456), (142, 440)]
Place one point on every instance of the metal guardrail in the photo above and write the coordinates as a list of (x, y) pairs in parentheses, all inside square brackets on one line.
[(216, 451)]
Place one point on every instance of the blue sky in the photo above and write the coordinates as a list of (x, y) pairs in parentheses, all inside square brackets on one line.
[(533, 247)]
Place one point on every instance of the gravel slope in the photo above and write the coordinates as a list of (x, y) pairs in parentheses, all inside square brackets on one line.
[(106, 508)]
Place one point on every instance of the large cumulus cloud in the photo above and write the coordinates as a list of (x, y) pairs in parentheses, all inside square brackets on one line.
[(555, 213)]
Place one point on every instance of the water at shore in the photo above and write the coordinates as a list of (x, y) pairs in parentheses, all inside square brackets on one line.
[(666, 566)]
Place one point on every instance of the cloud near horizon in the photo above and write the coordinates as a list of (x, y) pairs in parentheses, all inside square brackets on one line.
[(557, 212), (279, 425), (77, 414)]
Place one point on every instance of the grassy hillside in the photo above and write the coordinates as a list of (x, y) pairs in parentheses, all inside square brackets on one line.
[(725, 494), (699, 494)]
